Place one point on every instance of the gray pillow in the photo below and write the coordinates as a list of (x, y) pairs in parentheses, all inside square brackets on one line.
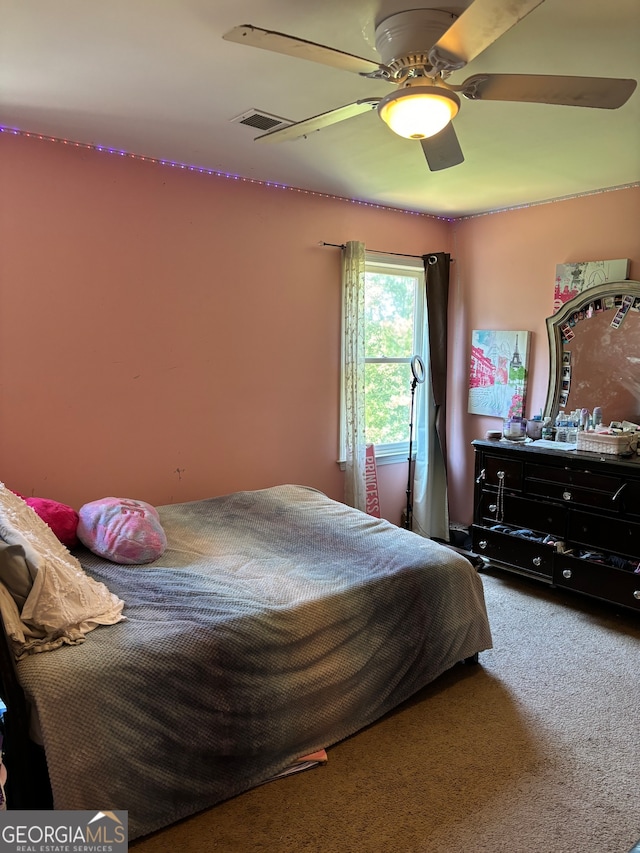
[(15, 572)]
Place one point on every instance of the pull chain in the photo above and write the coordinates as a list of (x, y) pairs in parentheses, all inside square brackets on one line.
[(500, 501)]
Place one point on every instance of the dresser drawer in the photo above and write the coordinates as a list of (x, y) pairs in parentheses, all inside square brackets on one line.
[(574, 495), (497, 470), (520, 512), (578, 477), (581, 487), (516, 551), (630, 498), (601, 581), (603, 533)]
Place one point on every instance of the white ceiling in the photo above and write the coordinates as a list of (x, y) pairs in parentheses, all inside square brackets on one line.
[(154, 77)]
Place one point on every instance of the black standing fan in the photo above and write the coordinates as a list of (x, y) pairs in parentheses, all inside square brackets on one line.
[(418, 371)]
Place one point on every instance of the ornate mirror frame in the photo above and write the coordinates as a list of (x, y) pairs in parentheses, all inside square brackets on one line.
[(563, 316)]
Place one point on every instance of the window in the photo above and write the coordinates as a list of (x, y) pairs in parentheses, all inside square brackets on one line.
[(394, 321)]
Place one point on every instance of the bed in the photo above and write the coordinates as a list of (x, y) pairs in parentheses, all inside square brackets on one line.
[(276, 623)]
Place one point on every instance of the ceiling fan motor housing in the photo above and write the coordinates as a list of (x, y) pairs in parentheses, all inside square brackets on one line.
[(404, 40)]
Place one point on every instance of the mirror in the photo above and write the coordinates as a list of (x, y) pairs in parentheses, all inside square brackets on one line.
[(594, 353)]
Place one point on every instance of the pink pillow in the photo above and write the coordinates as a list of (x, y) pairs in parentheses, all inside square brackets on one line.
[(62, 519), (122, 530)]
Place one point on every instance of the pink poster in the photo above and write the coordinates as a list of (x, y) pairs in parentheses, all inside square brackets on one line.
[(371, 481), (572, 279)]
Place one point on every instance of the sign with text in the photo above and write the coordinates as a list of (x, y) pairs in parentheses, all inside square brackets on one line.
[(371, 481), (37, 831)]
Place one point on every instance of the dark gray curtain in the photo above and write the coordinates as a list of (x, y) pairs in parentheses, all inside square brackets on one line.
[(436, 269)]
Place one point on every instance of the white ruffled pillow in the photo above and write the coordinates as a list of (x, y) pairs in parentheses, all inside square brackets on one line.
[(64, 603)]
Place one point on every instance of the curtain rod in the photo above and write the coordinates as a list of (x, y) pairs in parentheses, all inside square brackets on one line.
[(378, 252)]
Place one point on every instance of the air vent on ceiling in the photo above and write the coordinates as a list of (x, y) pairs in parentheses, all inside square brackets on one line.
[(260, 120)]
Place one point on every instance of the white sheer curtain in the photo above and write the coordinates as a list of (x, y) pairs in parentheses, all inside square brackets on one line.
[(353, 282)]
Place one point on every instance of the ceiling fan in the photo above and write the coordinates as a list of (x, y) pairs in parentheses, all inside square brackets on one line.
[(420, 49)]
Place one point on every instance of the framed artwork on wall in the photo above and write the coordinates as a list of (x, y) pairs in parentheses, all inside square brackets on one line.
[(572, 279), (498, 373)]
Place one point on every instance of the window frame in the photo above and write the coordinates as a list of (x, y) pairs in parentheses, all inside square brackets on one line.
[(394, 452)]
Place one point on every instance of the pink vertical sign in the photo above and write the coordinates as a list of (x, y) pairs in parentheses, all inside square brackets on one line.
[(371, 481)]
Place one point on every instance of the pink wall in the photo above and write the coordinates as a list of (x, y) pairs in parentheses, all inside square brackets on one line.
[(169, 336), (504, 279)]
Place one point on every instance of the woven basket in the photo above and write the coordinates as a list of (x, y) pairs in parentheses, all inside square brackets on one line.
[(611, 444)]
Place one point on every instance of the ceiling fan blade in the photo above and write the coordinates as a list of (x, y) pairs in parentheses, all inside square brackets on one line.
[(482, 23), (600, 92), (308, 125), (302, 49), (442, 151)]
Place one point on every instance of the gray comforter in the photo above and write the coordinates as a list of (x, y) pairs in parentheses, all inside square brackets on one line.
[(276, 623)]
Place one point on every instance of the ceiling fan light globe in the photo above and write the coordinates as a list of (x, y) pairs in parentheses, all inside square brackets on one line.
[(418, 112)]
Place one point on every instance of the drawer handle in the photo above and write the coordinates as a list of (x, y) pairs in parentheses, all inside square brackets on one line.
[(482, 544), (566, 573), (636, 594), (481, 475), (493, 507), (567, 496), (501, 475), (615, 497), (537, 561)]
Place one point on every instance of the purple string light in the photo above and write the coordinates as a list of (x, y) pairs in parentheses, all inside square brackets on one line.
[(103, 149)]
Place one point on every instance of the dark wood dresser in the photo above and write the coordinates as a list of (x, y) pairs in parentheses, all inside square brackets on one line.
[(569, 518)]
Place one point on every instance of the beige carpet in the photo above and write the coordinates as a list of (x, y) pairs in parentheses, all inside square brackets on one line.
[(537, 750)]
